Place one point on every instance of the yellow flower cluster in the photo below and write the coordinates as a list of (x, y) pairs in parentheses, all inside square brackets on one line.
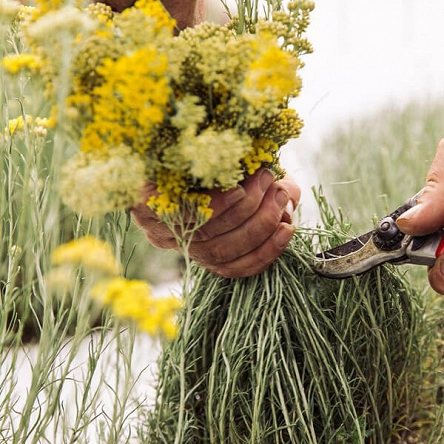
[(37, 126), (192, 112), (107, 182), (263, 153), (128, 299), (18, 62), (129, 102), (133, 299), (265, 85), (87, 252)]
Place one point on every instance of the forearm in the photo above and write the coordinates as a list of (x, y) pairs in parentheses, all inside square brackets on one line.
[(186, 12)]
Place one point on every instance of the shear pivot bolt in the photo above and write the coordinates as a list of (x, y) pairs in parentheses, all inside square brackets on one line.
[(387, 229)]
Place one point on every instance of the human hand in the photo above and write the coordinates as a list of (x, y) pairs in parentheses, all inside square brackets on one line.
[(428, 215), (250, 226)]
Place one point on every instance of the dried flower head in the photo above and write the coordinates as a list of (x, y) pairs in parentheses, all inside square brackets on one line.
[(93, 185)]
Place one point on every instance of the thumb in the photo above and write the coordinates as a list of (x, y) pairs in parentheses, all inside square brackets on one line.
[(436, 275), (428, 215)]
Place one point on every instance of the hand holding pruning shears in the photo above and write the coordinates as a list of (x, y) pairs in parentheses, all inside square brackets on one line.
[(428, 215), (413, 233)]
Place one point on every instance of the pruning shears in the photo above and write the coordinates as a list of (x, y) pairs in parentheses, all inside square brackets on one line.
[(385, 243)]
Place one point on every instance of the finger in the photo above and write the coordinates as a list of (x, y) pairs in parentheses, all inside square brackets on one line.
[(294, 192), (246, 236), (156, 231), (221, 201), (260, 189), (257, 260), (235, 215), (428, 215), (436, 275)]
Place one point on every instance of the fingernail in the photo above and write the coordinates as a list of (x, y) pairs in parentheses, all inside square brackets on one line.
[(409, 214), (266, 179), (287, 215), (281, 198), (289, 209), (234, 195), (283, 236)]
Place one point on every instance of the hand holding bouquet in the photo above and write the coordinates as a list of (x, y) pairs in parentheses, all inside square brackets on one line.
[(198, 111)]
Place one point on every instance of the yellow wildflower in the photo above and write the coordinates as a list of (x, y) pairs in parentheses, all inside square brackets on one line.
[(263, 153), (130, 101), (271, 76), (132, 299), (45, 6), (160, 20), (189, 114), (37, 126), (200, 203), (18, 62), (161, 318), (88, 252), (281, 127), (103, 13), (129, 298), (55, 23), (164, 205), (18, 124), (214, 157)]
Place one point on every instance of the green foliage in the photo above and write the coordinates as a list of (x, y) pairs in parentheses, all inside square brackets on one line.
[(373, 164)]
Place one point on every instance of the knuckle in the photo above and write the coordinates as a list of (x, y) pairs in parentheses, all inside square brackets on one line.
[(209, 253), (161, 241)]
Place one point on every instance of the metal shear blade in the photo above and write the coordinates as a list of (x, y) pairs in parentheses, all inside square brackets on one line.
[(386, 243), (357, 256)]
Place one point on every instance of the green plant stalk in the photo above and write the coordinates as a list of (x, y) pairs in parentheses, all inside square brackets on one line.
[(89, 396), (183, 233)]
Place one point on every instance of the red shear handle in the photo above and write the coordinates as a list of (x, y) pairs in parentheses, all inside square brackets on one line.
[(440, 249)]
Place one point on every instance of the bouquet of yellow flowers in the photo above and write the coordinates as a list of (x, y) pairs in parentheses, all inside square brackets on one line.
[(196, 111)]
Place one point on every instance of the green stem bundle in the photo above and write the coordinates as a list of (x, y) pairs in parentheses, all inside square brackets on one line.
[(288, 356)]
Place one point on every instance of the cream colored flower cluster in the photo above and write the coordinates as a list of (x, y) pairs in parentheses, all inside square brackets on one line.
[(192, 112)]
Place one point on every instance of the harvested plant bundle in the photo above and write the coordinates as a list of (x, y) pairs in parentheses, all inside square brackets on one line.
[(284, 356), (289, 357)]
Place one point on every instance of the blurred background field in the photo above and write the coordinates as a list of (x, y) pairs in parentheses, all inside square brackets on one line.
[(371, 61), (373, 106)]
